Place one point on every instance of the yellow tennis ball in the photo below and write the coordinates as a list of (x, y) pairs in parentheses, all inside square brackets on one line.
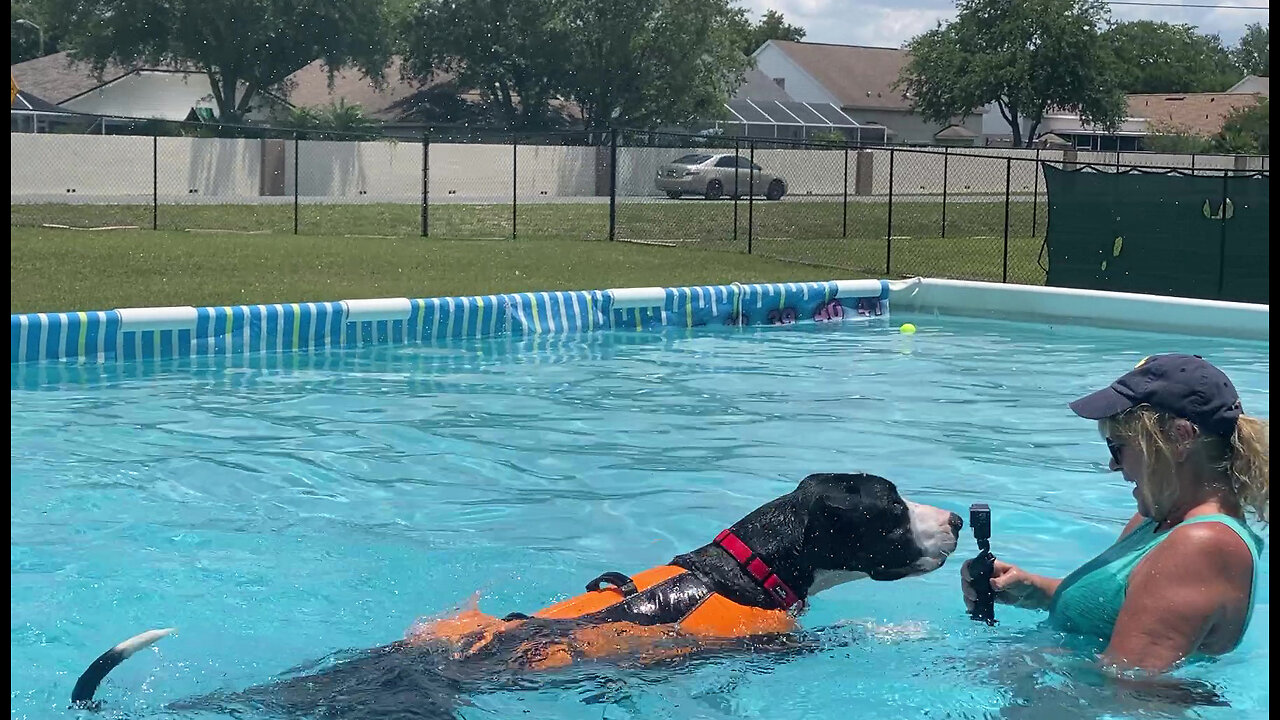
[(907, 329)]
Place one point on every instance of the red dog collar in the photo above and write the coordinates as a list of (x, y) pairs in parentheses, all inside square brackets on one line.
[(758, 569)]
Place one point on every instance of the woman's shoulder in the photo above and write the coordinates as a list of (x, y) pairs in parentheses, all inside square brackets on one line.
[(1207, 546)]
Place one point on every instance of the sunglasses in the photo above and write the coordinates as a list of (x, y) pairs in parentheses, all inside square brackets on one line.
[(1116, 448)]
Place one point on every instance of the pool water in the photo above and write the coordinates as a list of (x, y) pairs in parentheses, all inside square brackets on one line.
[(278, 509)]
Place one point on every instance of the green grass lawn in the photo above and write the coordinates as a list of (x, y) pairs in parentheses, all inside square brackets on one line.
[(61, 270), (641, 219), (250, 255)]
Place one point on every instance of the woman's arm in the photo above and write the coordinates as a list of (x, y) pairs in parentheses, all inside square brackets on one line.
[(1013, 586), (1199, 576)]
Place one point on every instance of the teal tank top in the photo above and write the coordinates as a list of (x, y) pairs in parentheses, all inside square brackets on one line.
[(1088, 600)]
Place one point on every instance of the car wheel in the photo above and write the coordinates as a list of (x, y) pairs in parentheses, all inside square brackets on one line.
[(714, 190), (674, 194), (776, 190)]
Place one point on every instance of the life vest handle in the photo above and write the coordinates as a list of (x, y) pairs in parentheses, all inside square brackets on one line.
[(624, 584)]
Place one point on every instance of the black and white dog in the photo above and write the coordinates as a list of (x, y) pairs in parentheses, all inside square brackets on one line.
[(744, 589)]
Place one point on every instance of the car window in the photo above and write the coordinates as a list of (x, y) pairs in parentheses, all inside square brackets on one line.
[(726, 161), (691, 160), (743, 163)]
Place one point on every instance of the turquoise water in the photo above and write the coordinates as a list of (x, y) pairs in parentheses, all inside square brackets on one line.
[(280, 509)]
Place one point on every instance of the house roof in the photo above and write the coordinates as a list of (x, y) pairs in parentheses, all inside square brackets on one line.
[(1252, 84), (396, 100), (26, 101), (1200, 113), (758, 87), (401, 99), (57, 78), (859, 77), (955, 132)]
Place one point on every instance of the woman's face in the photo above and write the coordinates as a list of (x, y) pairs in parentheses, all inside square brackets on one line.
[(1128, 459)]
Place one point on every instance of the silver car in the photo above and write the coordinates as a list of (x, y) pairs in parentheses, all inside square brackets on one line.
[(713, 176)]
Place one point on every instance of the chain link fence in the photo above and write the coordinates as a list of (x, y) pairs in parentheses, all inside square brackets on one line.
[(970, 213)]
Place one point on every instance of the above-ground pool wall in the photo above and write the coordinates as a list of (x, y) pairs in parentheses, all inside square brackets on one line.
[(130, 334), (1097, 308)]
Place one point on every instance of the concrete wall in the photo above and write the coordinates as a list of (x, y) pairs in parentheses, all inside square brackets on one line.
[(111, 168)]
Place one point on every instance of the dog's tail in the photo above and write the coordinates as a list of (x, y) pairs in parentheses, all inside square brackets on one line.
[(87, 685)]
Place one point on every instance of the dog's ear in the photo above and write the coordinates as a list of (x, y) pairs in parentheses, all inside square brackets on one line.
[(834, 490)]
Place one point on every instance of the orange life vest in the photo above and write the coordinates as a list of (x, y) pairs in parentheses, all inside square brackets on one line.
[(714, 616)]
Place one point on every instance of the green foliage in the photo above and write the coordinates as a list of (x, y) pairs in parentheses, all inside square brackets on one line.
[(321, 122), (644, 63), (1250, 126), (829, 136), (245, 47), (512, 51), (772, 26), (1156, 57), (1026, 56), (24, 40), (648, 63), (1253, 55), (1177, 143)]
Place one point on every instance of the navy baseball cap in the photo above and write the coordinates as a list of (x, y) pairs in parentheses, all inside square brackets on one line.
[(1186, 386)]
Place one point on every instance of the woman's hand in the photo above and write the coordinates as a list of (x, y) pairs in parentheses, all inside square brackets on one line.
[(1013, 586)]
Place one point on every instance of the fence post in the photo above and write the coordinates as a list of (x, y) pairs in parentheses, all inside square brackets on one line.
[(1222, 236), (1008, 176), (155, 182), (946, 161), (515, 145), (844, 199), (426, 182), (1035, 195), (1193, 163), (613, 183), (295, 182), (888, 233), (751, 195), (737, 174)]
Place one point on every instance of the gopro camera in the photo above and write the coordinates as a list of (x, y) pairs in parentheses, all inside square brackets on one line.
[(983, 565)]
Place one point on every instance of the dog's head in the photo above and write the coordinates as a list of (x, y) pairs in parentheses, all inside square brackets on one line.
[(837, 527), (859, 523)]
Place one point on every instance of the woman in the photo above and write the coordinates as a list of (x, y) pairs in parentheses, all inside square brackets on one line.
[(1181, 578)]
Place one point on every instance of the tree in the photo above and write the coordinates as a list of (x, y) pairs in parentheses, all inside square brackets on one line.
[(1252, 123), (773, 26), (649, 63), (1026, 56), (1252, 56), (336, 118), (24, 40), (1177, 142), (512, 51), (245, 47), (1156, 57)]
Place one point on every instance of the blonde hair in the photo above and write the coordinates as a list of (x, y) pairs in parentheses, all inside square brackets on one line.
[(1242, 460)]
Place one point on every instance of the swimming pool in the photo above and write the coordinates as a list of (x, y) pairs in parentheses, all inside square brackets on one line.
[(278, 508)]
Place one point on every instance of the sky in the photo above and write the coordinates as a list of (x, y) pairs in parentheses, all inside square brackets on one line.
[(890, 23)]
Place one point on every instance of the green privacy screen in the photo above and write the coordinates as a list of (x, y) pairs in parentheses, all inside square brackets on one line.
[(1165, 233)]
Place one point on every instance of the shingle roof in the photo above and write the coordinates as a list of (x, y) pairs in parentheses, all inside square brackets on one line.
[(860, 77), (394, 101), (56, 78), (1201, 113)]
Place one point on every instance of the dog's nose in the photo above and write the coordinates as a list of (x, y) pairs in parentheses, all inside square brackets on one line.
[(956, 522)]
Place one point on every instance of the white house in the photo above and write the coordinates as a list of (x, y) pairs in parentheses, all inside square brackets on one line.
[(139, 92), (859, 81)]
